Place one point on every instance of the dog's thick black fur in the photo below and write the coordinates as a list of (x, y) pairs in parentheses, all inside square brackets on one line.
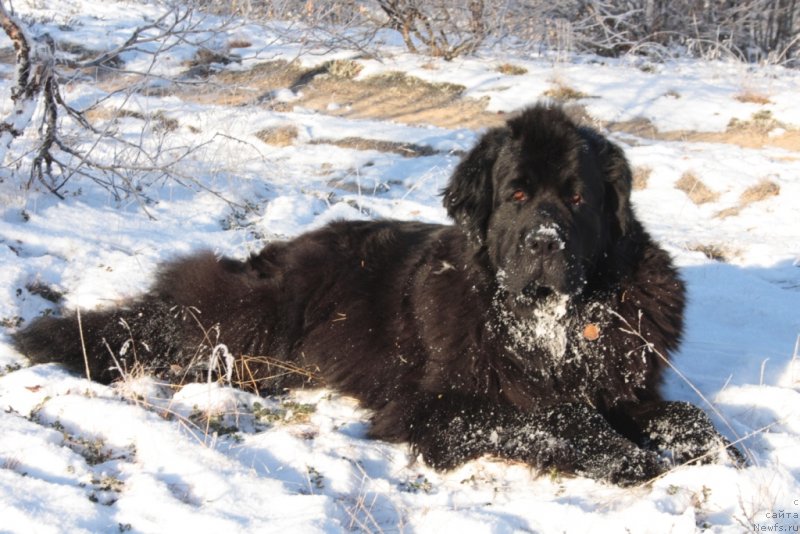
[(514, 332)]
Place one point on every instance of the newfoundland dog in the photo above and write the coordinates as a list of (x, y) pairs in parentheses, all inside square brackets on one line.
[(533, 329)]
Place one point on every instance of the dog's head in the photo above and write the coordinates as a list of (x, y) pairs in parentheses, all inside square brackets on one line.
[(546, 198)]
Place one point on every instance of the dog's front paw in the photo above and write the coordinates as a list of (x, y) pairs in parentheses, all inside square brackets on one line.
[(630, 467), (683, 433)]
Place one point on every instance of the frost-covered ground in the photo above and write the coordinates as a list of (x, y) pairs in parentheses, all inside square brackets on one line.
[(79, 457)]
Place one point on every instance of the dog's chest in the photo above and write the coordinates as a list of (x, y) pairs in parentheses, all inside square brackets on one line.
[(558, 343)]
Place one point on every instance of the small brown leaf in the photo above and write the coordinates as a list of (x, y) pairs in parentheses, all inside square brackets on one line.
[(591, 332), (33, 388)]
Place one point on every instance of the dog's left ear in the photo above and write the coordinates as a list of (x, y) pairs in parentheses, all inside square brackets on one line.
[(468, 196), (618, 178)]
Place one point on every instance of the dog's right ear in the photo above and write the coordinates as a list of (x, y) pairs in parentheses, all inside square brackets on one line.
[(468, 196)]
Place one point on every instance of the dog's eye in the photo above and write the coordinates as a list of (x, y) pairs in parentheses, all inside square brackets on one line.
[(519, 196), (576, 199)]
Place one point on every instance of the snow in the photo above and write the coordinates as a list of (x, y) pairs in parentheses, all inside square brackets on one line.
[(143, 457), (546, 328)]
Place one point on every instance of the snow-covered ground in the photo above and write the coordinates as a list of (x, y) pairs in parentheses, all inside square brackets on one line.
[(141, 457)]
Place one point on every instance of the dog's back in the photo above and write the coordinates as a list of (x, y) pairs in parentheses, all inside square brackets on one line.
[(276, 307)]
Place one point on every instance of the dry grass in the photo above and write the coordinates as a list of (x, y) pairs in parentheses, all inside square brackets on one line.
[(205, 56), (255, 373), (278, 135), (752, 133), (697, 191), (399, 97), (45, 291), (159, 121), (239, 43), (641, 175), (206, 62), (392, 96), (510, 69), (343, 68), (752, 97), (713, 251), (640, 126), (728, 212), (760, 122), (409, 150), (253, 86), (401, 79), (763, 190), (562, 92)]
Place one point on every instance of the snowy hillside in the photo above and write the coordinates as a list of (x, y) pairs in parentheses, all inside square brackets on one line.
[(716, 152)]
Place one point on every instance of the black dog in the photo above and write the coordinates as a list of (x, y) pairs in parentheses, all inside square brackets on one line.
[(533, 329)]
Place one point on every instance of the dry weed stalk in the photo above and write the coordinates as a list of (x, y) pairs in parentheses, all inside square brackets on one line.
[(269, 369), (360, 513), (646, 345), (83, 345)]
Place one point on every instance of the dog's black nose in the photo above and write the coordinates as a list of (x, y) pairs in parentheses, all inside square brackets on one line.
[(544, 241)]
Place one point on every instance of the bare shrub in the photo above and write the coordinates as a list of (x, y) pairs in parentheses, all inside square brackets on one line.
[(750, 30), (69, 145), (443, 28)]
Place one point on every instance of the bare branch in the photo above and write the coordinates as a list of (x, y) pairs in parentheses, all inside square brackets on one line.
[(96, 152), (34, 69)]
